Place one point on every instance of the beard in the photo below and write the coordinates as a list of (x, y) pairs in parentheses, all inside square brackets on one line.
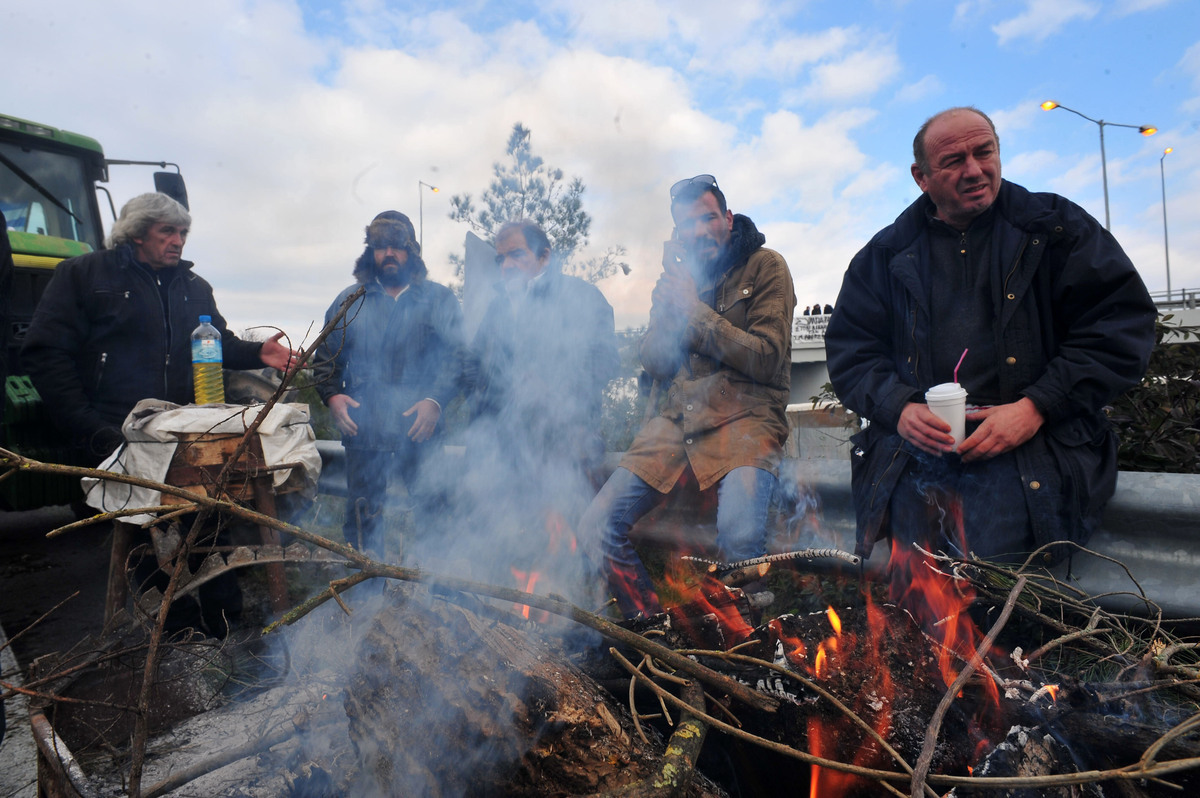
[(393, 273), (705, 254)]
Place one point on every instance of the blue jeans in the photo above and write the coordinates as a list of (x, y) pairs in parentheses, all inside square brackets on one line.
[(943, 503), (743, 499)]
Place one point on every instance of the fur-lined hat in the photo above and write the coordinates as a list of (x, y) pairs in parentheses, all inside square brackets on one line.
[(392, 229), (389, 229)]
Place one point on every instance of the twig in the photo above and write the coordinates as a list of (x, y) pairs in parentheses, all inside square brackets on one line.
[(100, 518), (935, 723), (670, 677), (1087, 631), (1179, 730), (633, 713), (334, 590), (679, 759)]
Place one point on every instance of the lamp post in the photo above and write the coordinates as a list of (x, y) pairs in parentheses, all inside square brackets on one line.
[(1162, 173), (1145, 130), (421, 212)]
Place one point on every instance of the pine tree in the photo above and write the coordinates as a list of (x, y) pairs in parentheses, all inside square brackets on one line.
[(525, 188)]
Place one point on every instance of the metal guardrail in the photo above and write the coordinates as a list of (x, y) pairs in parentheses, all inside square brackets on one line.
[(1152, 527), (1177, 298)]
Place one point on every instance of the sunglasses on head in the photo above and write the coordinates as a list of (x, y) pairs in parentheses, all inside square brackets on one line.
[(699, 180)]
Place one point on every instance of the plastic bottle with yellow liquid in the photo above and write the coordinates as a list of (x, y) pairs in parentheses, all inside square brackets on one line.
[(206, 363)]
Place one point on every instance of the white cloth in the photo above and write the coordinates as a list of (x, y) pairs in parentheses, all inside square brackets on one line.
[(151, 435)]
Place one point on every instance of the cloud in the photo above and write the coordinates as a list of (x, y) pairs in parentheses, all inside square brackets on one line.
[(859, 75), (1127, 7), (928, 86), (1021, 116), (786, 56), (1190, 64), (1043, 18)]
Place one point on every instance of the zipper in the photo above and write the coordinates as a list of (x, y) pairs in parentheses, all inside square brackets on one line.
[(100, 369), (1016, 262)]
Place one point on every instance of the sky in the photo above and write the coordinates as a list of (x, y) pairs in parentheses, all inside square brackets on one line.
[(295, 121)]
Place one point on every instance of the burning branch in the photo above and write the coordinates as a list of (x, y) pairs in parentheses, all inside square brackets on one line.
[(935, 723)]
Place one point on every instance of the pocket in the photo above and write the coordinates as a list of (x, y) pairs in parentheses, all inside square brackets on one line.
[(1086, 454), (735, 304), (111, 307)]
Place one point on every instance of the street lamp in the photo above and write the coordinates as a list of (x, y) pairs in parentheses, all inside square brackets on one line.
[(421, 212), (1162, 173), (1145, 130)]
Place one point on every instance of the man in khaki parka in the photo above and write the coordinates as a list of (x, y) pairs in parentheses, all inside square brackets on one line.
[(719, 340)]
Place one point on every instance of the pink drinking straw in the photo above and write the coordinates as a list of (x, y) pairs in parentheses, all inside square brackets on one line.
[(960, 360)]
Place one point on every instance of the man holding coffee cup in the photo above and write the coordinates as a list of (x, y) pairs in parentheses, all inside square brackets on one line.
[(1055, 322)]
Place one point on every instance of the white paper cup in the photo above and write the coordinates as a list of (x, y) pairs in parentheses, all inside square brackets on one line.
[(948, 402)]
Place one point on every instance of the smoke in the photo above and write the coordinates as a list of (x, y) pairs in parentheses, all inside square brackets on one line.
[(496, 500), (538, 361)]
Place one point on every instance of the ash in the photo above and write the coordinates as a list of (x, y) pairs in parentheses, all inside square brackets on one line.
[(284, 729)]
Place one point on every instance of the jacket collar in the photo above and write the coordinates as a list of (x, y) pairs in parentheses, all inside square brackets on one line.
[(744, 241), (125, 257)]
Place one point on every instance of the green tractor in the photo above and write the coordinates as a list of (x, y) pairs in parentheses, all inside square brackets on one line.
[(49, 185)]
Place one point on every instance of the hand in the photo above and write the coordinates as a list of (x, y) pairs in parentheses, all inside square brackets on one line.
[(339, 406), (674, 255), (278, 355), (1003, 428), (920, 427), (676, 288), (428, 414)]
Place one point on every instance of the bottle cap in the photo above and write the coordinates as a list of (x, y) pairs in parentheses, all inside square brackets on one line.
[(205, 319)]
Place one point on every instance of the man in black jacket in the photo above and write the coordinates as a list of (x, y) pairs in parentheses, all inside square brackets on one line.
[(114, 327), (1054, 321)]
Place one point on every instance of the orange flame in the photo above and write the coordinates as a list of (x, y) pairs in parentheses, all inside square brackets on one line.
[(939, 603), (834, 621), (625, 583), (559, 533), (527, 582), (793, 647), (712, 599), (872, 703), (833, 738)]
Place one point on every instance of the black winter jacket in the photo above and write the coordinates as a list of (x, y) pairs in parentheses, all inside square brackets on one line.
[(1073, 327), (100, 342)]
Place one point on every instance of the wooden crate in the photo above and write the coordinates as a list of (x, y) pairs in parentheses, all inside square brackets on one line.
[(201, 456)]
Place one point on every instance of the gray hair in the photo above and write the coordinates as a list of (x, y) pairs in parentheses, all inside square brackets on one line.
[(921, 158), (143, 212)]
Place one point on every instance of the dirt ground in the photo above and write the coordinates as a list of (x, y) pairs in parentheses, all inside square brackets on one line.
[(36, 574)]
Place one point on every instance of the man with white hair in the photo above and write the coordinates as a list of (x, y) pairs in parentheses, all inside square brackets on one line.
[(114, 327)]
